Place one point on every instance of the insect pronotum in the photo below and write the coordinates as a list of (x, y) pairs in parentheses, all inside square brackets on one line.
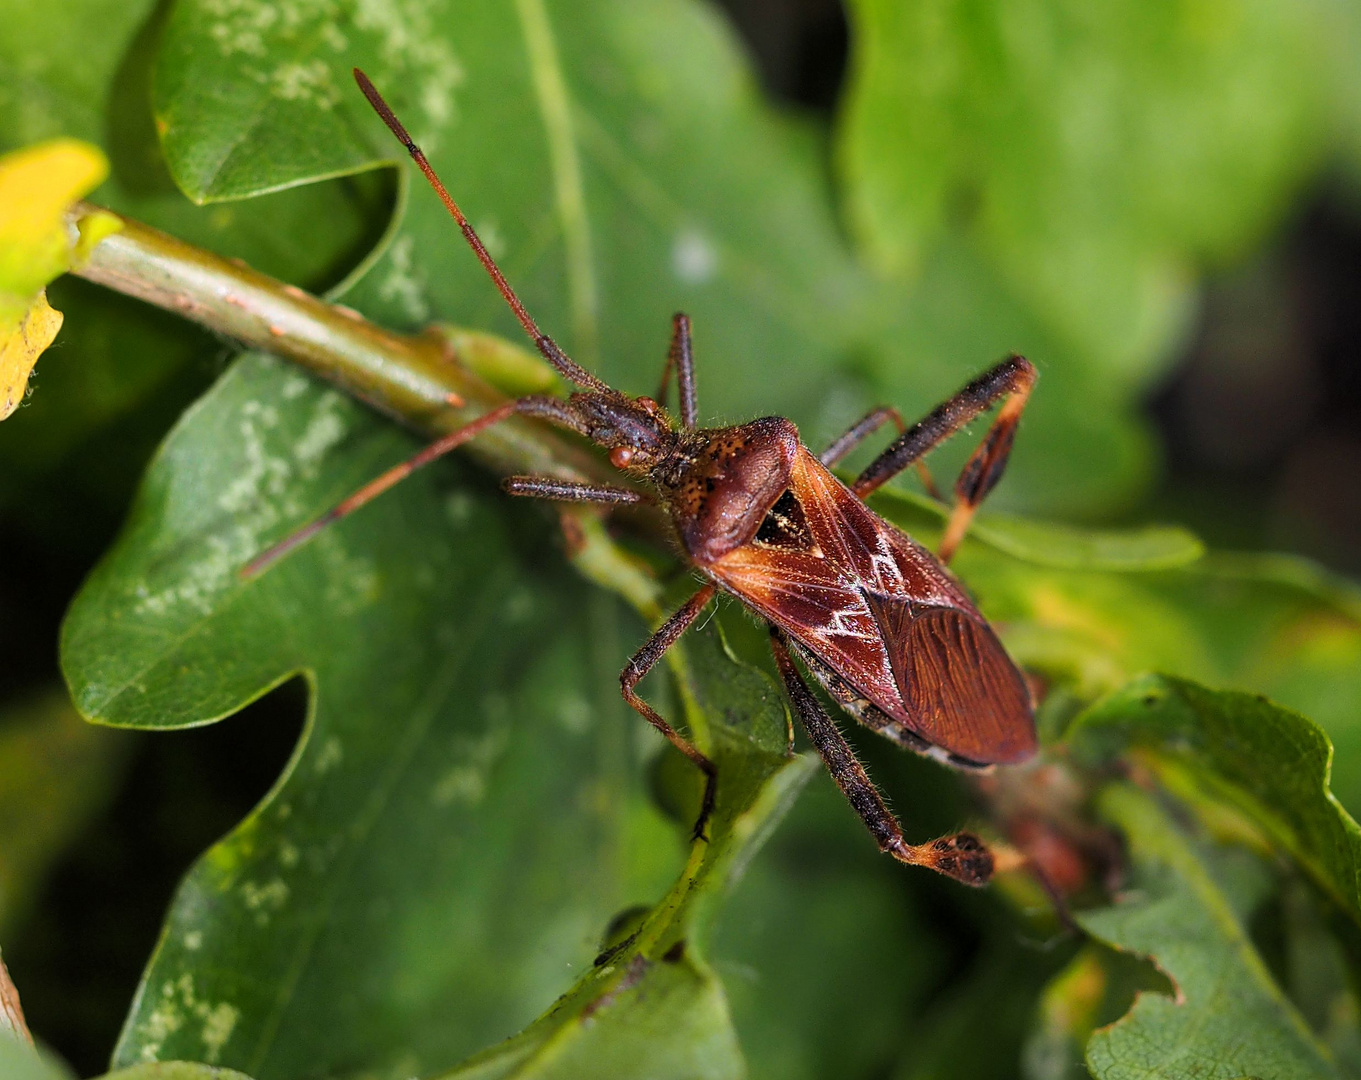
[(872, 615)]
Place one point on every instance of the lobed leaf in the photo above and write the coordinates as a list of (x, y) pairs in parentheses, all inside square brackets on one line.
[(465, 802), (1267, 762), (463, 814), (651, 1005), (1228, 1018)]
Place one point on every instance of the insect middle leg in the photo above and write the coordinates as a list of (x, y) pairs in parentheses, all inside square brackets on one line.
[(643, 661), (861, 430), (1012, 379), (963, 857)]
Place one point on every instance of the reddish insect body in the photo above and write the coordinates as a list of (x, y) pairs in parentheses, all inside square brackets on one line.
[(874, 616)]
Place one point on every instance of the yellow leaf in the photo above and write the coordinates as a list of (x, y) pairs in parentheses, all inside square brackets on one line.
[(37, 185), (21, 343), (38, 243)]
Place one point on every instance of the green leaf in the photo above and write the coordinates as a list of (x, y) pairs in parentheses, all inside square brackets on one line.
[(311, 238), (1095, 989), (466, 777), (1104, 153), (121, 370), (1187, 912), (1066, 547), (1265, 761), (612, 202), (1150, 547), (175, 1070), (465, 802), (19, 1061), (651, 1005)]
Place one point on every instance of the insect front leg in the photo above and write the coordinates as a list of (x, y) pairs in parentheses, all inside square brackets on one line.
[(548, 487), (567, 491), (963, 856), (681, 357), (1012, 379), (643, 661)]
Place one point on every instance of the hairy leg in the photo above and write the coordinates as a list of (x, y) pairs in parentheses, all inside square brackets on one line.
[(963, 857), (1011, 380)]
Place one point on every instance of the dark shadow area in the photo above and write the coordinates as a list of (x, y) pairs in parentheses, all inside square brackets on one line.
[(1261, 420), (799, 47), (80, 955)]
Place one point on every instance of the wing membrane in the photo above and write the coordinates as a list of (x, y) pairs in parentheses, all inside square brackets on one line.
[(884, 615)]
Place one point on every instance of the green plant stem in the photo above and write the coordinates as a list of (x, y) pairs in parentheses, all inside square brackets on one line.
[(407, 377)]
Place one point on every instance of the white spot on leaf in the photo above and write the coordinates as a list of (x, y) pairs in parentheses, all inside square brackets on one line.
[(330, 755), (574, 713), (288, 855), (217, 1029), (324, 430), (178, 1003), (401, 284), (466, 781), (309, 82), (264, 899), (412, 49), (693, 258)]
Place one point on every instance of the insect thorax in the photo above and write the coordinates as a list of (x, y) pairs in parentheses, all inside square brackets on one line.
[(727, 480)]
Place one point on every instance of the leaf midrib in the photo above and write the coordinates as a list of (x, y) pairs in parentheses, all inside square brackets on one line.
[(555, 110)]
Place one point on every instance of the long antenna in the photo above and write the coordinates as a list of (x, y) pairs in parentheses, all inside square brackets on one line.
[(545, 344)]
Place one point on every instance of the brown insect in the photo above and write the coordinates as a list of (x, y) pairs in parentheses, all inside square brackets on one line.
[(874, 616)]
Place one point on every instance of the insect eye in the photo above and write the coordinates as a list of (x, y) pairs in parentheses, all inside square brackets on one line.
[(620, 456)]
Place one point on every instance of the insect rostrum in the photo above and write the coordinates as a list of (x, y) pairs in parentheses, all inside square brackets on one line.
[(872, 615)]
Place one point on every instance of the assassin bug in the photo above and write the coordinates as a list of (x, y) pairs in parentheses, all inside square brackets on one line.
[(873, 616)]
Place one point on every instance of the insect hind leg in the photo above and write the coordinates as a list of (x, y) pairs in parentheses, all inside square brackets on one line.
[(963, 856)]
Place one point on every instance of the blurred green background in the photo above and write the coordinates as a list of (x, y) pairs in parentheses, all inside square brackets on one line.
[(1161, 202)]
